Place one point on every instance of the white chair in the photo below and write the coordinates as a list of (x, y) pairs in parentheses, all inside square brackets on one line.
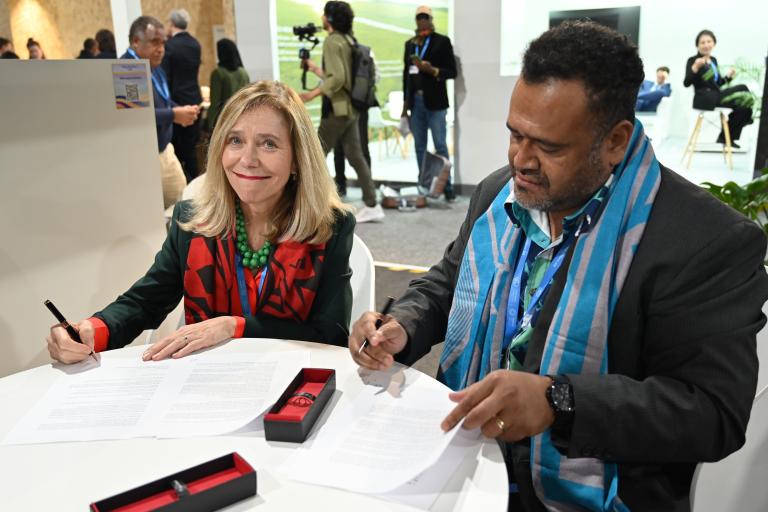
[(363, 279), (384, 129), (701, 116), (737, 482), (193, 187), (762, 354)]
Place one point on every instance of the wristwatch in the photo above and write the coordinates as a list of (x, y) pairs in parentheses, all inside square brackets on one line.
[(560, 398)]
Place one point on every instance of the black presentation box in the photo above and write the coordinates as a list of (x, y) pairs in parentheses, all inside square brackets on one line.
[(291, 420), (207, 487)]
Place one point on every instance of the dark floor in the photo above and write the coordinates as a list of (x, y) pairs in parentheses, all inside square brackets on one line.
[(417, 238)]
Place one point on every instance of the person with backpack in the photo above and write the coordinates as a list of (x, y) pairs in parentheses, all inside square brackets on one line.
[(429, 62), (340, 95)]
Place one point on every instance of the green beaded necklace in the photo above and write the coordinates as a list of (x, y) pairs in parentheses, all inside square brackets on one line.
[(254, 260)]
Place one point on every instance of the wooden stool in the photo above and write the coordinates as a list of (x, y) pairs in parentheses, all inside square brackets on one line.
[(693, 139)]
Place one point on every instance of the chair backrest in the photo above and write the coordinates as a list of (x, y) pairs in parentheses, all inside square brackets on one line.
[(363, 279), (738, 481), (193, 187), (395, 101), (375, 119)]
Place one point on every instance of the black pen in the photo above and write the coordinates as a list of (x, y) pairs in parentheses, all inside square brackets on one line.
[(66, 325), (387, 306)]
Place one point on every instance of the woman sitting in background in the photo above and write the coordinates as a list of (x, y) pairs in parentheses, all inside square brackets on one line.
[(703, 73), (226, 79), (262, 251), (106, 40), (35, 50)]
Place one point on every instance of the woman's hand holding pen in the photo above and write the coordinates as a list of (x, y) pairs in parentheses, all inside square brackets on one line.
[(64, 349), (384, 342), (192, 338)]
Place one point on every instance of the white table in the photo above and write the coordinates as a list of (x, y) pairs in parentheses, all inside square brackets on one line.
[(69, 476)]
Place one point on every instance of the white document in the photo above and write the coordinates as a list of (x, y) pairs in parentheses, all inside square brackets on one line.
[(378, 444), (204, 394)]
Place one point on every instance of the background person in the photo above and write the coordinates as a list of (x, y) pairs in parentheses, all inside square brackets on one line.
[(599, 311), (181, 64), (90, 49), (147, 38), (228, 78), (106, 40), (651, 92), (703, 72), (338, 121), (262, 251), (35, 50), (429, 62), (6, 45)]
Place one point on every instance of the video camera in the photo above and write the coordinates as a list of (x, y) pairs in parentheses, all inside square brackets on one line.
[(306, 33)]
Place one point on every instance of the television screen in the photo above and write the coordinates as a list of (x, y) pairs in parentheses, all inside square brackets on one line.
[(625, 20)]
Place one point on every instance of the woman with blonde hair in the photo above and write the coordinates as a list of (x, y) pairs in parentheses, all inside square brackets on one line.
[(261, 251)]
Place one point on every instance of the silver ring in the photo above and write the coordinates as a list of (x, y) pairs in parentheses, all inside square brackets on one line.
[(186, 340)]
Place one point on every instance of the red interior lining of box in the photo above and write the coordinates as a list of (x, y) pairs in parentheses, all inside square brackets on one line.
[(315, 380), (207, 482)]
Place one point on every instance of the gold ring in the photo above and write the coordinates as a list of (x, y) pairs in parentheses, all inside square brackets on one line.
[(500, 423)]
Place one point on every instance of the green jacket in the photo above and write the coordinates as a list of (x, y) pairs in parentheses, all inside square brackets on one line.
[(146, 304), (337, 68), (224, 83)]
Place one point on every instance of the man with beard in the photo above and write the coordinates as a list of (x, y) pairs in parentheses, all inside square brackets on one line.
[(599, 311)]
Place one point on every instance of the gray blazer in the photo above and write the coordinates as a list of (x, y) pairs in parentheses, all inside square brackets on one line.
[(682, 354)]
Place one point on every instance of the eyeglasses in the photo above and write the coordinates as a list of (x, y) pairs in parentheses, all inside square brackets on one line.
[(302, 399), (423, 16)]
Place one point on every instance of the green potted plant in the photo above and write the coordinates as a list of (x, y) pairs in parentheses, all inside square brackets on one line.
[(750, 199)]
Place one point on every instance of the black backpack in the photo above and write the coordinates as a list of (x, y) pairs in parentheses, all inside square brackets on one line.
[(363, 92)]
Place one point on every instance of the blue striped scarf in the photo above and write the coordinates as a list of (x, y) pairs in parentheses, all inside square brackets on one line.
[(577, 338)]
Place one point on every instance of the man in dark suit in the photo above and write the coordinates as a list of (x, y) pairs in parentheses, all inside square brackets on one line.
[(429, 62), (599, 311), (651, 92), (147, 37), (181, 64)]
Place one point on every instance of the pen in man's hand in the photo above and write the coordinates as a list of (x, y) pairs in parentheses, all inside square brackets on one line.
[(66, 325), (387, 305)]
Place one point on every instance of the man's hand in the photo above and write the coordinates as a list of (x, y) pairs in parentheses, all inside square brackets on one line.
[(186, 115), (425, 67), (312, 67), (517, 399), (383, 343), (308, 96), (192, 338)]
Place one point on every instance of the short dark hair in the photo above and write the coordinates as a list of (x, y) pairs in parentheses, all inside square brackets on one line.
[(106, 40), (339, 15), (31, 42), (4, 41), (663, 68), (706, 32), (606, 62), (89, 44), (139, 27)]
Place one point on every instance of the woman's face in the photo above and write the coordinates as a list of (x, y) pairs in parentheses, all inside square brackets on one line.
[(258, 157), (35, 52), (705, 45)]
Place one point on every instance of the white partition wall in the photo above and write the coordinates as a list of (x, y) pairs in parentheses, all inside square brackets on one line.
[(80, 196)]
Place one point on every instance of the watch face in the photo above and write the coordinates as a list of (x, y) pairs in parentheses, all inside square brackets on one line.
[(561, 396)]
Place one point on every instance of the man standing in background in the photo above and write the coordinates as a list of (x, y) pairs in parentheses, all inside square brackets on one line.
[(147, 38), (429, 62), (181, 65)]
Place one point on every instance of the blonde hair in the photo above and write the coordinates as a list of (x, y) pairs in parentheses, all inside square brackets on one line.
[(307, 210)]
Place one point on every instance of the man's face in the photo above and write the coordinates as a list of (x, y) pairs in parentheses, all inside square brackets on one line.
[(423, 22), (554, 153), (152, 46), (8, 47), (325, 23), (661, 76)]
